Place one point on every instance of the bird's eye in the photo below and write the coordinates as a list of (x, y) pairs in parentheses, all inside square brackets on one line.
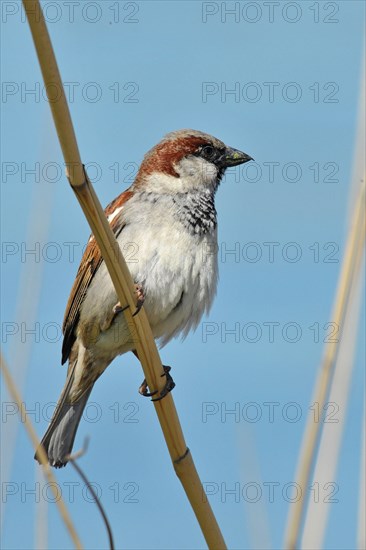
[(208, 151)]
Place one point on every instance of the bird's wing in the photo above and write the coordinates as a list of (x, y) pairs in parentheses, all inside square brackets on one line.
[(89, 265)]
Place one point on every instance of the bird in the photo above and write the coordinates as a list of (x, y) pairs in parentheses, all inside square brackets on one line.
[(166, 224)]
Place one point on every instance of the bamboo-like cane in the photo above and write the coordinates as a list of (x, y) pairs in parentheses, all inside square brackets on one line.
[(42, 455), (328, 452), (351, 262), (361, 528), (121, 278)]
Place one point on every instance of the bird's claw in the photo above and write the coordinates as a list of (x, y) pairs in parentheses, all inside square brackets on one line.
[(118, 308), (140, 300), (143, 390), (169, 385), (139, 303)]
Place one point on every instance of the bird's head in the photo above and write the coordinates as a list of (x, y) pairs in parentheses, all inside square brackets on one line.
[(186, 161)]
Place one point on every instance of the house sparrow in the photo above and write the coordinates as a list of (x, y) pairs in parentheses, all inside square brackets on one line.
[(167, 220)]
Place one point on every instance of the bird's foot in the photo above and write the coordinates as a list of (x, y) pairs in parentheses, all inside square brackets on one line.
[(169, 385), (143, 390), (111, 316), (118, 308), (140, 299)]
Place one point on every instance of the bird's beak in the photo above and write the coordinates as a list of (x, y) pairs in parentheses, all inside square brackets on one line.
[(233, 157)]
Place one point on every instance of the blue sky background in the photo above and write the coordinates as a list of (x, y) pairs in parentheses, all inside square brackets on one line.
[(173, 64)]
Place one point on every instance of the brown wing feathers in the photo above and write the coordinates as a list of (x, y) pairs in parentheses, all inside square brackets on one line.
[(89, 265)]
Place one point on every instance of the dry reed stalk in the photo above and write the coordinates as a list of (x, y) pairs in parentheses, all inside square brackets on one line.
[(351, 263), (333, 362), (361, 527), (325, 469), (121, 278), (42, 455)]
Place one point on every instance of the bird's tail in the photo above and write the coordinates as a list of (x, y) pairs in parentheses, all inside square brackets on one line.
[(59, 437)]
